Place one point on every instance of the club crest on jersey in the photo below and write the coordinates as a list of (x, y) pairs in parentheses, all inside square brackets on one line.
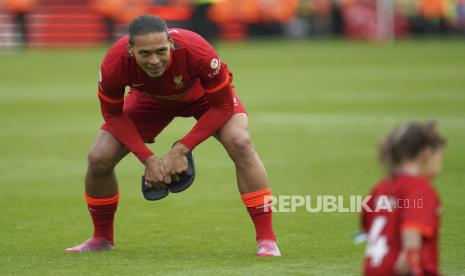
[(178, 81)]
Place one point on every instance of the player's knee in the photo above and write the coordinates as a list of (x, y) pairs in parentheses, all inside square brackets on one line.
[(99, 162), (240, 147)]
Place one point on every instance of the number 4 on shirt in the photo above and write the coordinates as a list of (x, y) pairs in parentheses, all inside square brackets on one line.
[(377, 246)]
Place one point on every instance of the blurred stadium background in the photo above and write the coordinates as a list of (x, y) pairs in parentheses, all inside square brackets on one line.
[(322, 80), (93, 22)]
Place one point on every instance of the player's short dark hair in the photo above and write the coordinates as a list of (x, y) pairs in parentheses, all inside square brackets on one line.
[(145, 24), (407, 140)]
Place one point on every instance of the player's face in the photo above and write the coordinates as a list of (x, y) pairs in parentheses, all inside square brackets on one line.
[(152, 52)]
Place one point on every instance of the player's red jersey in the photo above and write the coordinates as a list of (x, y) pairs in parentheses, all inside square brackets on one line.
[(194, 70), (402, 202)]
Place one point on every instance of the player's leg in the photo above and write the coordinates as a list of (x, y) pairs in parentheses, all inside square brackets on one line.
[(250, 172), (101, 191), (100, 180), (251, 175), (150, 117), (252, 180)]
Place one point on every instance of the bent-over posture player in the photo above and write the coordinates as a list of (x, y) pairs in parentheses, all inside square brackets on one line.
[(171, 73)]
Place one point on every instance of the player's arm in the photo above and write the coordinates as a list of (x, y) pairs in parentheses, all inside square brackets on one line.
[(221, 109), (204, 64), (221, 101), (122, 127), (119, 124), (214, 78)]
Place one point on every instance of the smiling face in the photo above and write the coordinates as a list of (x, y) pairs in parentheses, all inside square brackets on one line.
[(152, 52)]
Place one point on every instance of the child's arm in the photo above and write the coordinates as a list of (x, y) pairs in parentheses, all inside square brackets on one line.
[(409, 257)]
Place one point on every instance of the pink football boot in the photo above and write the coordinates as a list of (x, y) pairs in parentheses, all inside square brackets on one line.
[(268, 248), (92, 244)]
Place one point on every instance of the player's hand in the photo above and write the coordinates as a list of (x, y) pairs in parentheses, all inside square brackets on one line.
[(154, 172), (175, 162)]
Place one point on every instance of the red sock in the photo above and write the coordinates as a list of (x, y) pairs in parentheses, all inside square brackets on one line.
[(261, 216), (102, 211)]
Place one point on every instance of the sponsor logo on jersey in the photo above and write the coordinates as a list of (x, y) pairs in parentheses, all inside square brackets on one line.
[(137, 84), (175, 97)]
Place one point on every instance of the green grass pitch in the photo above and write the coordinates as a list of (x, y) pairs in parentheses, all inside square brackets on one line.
[(317, 110)]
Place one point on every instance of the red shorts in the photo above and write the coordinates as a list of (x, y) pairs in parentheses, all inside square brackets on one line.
[(151, 115)]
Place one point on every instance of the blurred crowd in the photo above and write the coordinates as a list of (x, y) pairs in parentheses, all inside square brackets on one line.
[(297, 18)]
